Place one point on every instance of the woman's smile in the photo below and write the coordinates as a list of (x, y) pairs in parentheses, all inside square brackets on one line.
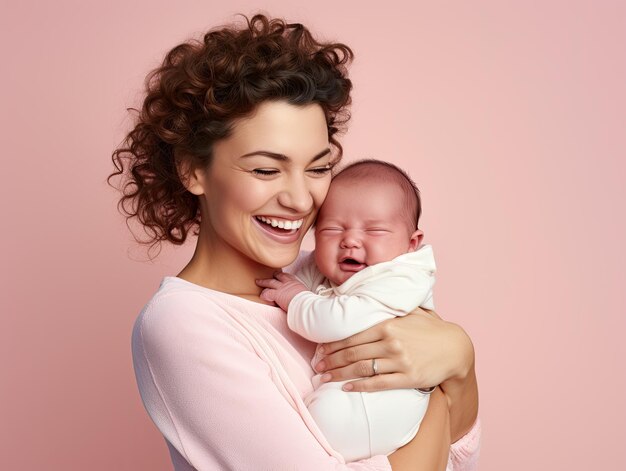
[(280, 230), (287, 224)]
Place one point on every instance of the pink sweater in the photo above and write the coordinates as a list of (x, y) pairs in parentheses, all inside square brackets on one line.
[(223, 380)]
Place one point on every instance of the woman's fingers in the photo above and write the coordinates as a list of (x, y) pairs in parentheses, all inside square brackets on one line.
[(383, 330), (359, 369), (379, 382), (373, 334), (355, 356)]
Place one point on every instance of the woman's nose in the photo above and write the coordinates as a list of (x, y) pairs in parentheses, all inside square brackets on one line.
[(297, 196)]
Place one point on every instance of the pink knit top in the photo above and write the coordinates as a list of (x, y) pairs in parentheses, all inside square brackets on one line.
[(223, 379)]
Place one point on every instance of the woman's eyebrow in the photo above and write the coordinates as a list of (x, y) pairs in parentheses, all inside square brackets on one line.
[(282, 157)]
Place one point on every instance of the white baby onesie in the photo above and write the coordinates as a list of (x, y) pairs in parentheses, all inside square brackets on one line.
[(361, 425)]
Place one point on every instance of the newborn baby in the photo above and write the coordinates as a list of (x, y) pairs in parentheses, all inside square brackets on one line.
[(368, 266)]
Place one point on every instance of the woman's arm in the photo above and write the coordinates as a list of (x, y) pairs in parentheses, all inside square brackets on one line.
[(415, 351), (430, 448), (461, 390)]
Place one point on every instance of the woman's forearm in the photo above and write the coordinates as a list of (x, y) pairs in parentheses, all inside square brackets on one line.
[(461, 391), (429, 449)]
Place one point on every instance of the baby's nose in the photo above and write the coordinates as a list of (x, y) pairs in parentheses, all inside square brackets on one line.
[(350, 240)]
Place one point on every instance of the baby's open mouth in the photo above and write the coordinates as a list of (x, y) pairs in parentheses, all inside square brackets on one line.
[(350, 261), (351, 264)]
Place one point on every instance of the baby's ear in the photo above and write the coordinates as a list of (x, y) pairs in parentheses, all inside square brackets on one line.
[(416, 240)]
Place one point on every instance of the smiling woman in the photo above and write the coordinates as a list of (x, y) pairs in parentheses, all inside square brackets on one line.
[(236, 141), (272, 171)]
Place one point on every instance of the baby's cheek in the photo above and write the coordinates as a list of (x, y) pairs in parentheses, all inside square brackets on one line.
[(323, 253)]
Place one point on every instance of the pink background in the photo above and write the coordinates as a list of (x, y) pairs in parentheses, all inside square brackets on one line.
[(509, 115)]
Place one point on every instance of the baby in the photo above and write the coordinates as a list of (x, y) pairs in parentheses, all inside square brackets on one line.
[(368, 266)]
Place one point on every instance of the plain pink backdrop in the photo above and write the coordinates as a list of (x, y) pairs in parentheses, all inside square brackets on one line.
[(509, 115)]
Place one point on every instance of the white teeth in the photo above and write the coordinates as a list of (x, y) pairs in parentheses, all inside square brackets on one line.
[(282, 223)]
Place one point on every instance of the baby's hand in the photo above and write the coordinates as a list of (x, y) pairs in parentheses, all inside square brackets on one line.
[(281, 289)]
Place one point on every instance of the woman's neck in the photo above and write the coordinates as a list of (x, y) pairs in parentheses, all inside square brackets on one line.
[(225, 269)]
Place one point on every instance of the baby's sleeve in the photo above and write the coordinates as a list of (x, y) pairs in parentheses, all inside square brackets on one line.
[(384, 291), (328, 319)]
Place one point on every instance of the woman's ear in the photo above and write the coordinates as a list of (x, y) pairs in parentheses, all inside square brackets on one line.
[(191, 176), (416, 240)]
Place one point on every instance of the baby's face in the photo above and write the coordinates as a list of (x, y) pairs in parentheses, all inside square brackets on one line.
[(361, 225)]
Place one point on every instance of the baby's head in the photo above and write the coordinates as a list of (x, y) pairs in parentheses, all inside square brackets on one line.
[(370, 216)]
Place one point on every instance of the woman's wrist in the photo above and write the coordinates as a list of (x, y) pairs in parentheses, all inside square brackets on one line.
[(463, 353)]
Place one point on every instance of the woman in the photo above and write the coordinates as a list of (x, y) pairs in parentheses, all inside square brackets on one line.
[(237, 139)]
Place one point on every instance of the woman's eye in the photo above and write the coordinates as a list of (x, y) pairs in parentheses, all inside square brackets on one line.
[(265, 172), (321, 170)]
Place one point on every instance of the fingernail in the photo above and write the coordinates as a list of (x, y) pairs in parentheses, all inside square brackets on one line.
[(325, 377), (321, 349), (320, 366), (347, 387)]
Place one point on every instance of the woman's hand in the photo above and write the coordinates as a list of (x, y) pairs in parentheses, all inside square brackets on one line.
[(415, 351), (419, 350)]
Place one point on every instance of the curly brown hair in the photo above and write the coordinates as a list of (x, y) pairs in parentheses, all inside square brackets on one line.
[(193, 98)]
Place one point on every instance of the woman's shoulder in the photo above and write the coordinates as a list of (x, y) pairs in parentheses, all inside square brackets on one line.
[(176, 297), (179, 310)]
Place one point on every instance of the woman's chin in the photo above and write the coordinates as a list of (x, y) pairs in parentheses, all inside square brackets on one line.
[(277, 248), (280, 258)]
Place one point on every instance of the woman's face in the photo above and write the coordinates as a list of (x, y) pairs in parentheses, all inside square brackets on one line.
[(265, 184)]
